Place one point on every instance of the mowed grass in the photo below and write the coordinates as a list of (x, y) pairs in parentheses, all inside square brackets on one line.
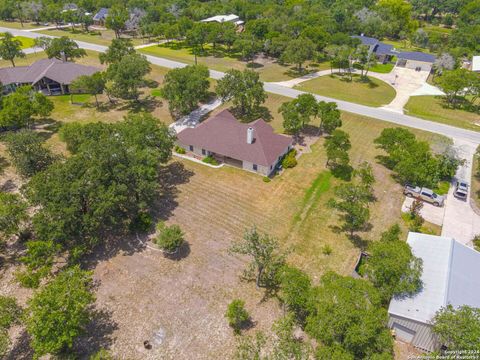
[(103, 37), (26, 42), (268, 69), (382, 68), (18, 25), (433, 108), (372, 93)]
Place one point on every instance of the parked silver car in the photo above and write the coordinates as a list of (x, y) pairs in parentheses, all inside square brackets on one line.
[(461, 189), (424, 194)]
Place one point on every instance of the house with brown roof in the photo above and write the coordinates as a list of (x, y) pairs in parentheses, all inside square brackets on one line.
[(254, 147), (51, 76)]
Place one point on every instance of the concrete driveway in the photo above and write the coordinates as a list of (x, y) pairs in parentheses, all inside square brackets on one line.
[(432, 214), (193, 119), (461, 222)]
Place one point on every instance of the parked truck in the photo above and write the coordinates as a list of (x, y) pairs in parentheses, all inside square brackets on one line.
[(424, 194)]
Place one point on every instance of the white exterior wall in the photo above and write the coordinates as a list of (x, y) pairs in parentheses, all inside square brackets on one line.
[(423, 337)]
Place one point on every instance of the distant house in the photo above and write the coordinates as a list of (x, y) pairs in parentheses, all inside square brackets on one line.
[(408, 59), (449, 276), (100, 17), (254, 147), (476, 64), (383, 52), (50, 76), (225, 18), (70, 7), (133, 23)]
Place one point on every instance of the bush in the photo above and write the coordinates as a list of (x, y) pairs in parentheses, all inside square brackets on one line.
[(170, 238), (179, 150), (327, 250), (476, 242), (210, 160), (237, 315), (9, 311), (143, 222), (4, 342), (266, 179), (290, 160)]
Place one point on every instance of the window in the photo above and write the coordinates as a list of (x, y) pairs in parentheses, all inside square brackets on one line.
[(191, 148), (255, 167), (204, 152)]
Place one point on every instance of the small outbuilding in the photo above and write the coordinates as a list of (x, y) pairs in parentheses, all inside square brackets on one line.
[(254, 147), (450, 276), (476, 64)]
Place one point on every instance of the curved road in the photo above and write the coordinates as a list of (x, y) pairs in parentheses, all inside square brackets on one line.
[(377, 113)]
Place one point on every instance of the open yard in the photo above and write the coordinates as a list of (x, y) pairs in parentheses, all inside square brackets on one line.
[(268, 69), (433, 108), (18, 25), (26, 42), (103, 37), (179, 305), (373, 92)]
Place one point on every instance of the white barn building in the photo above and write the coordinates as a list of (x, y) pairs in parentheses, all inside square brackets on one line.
[(450, 276)]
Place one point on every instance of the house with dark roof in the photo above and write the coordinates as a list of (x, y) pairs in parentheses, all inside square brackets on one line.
[(254, 147), (449, 277), (51, 76), (416, 60), (100, 17)]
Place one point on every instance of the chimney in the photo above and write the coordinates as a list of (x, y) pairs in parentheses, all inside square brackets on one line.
[(250, 135)]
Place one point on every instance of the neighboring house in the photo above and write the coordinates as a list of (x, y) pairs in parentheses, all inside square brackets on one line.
[(100, 17), (415, 60), (50, 76), (449, 276), (254, 147), (476, 64), (225, 18), (383, 52), (70, 7)]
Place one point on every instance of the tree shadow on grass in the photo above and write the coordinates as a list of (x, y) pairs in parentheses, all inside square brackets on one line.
[(343, 172), (21, 349), (355, 238), (182, 252), (99, 334)]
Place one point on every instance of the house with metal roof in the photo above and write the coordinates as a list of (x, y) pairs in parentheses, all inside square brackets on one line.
[(476, 64), (224, 18), (415, 60), (51, 76), (254, 146), (100, 17), (449, 276)]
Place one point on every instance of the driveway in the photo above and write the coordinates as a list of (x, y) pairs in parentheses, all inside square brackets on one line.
[(432, 214), (193, 119), (461, 222)]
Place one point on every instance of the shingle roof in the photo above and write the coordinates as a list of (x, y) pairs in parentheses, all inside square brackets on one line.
[(225, 135), (416, 56), (54, 69), (383, 49), (448, 277), (101, 14)]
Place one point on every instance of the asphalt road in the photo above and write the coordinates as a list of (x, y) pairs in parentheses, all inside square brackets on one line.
[(377, 113)]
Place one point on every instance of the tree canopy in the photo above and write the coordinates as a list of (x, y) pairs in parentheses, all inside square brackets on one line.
[(10, 48)]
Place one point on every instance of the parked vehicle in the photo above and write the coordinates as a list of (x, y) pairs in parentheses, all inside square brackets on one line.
[(461, 189), (424, 194)]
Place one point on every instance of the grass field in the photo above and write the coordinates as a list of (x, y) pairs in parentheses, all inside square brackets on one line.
[(269, 70), (404, 45), (433, 108), (372, 93), (26, 42), (103, 37), (17, 25), (382, 68)]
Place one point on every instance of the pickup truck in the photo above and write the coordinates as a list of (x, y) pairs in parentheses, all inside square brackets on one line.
[(424, 194)]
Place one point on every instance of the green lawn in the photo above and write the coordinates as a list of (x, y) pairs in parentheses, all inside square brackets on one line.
[(372, 93), (433, 108), (405, 45), (17, 25), (382, 68), (26, 42), (103, 37)]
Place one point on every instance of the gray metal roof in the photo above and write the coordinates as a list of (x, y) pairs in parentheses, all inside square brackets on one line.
[(101, 14), (449, 277), (416, 56), (369, 41)]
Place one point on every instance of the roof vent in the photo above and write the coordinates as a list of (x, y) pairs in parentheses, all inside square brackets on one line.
[(250, 135)]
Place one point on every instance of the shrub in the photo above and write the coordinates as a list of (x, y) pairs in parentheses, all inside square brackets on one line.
[(266, 179), (237, 315), (210, 160), (327, 250), (170, 238), (4, 342), (290, 160), (9, 311), (179, 150), (143, 222), (476, 242)]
